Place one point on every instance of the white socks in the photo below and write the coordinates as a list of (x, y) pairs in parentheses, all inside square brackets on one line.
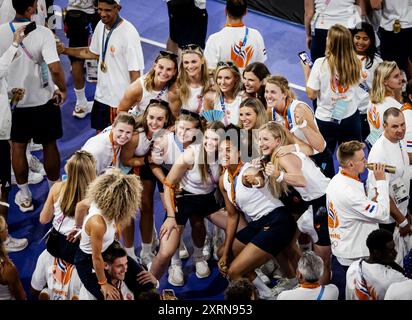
[(24, 188), (198, 253), (146, 248), (176, 259), (81, 97), (130, 253)]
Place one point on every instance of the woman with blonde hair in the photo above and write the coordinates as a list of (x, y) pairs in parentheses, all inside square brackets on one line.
[(334, 81), (300, 172), (158, 83), (10, 284), (227, 94), (193, 78), (297, 117), (115, 198), (385, 93)]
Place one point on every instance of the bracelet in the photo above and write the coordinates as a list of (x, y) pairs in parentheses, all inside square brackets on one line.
[(297, 148), (15, 44), (302, 125), (172, 217), (404, 223), (102, 282), (281, 176)]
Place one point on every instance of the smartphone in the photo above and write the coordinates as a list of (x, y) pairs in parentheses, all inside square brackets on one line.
[(29, 28), (168, 294), (305, 58)]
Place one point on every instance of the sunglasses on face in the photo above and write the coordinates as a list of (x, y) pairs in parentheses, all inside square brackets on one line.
[(159, 101), (190, 113), (192, 47)]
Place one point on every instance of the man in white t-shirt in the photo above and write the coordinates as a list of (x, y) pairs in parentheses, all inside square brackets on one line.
[(235, 42), (37, 116), (351, 214), (395, 31), (308, 273), (116, 44), (55, 277), (368, 279), (390, 149)]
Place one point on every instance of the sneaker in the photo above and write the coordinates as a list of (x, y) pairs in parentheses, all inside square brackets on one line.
[(268, 268), (35, 165), (34, 178), (146, 258), (44, 294), (183, 253), (25, 204), (175, 277), (35, 146), (14, 244), (285, 284), (202, 269), (82, 111), (262, 276)]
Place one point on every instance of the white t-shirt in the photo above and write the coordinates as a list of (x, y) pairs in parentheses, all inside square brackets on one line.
[(124, 53), (367, 79), (7, 12), (82, 5), (101, 148), (231, 109), (396, 9), (225, 46), (329, 94), (126, 293), (394, 154), (375, 112), (407, 112), (24, 72), (328, 13), (371, 281), (330, 292), (400, 291), (48, 273)]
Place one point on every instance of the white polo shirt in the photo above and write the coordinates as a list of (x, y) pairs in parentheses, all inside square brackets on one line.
[(328, 13), (396, 9), (124, 54), (330, 292)]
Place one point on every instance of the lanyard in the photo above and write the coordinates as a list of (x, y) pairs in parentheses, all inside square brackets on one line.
[(222, 104), (200, 103), (21, 43), (105, 43), (287, 116), (178, 143), (114, 161), (233, 181), (162, 91), (400, 147)]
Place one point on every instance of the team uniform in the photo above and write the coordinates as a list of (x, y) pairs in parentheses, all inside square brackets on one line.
[(369, 281), (352, 216), (102, 148), (124, 54), (327, 292), (240, 44), (337, 112), (271, 228), (231, 110), (195, 101), (375, 113), (399, 291)]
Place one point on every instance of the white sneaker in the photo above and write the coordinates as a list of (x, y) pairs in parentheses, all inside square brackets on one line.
[(202, 269), (14, 244), (35, 146), (183, 253), (25, 204), (35, 165), (285, 284), (34, 178), (146, 258), (176, 277), (262, 276), (82, 111)]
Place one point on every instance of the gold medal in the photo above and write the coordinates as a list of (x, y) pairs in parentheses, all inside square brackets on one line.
[(396, 26), (103, 66)]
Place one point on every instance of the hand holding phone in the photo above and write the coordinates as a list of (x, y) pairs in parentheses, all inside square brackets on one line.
[(305, 58), (30, 27)]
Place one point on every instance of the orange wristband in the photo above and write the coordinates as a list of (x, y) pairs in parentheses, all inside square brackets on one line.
[(102, 282)]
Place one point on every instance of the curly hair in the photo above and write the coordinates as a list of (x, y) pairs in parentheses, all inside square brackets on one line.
[(117, 195)]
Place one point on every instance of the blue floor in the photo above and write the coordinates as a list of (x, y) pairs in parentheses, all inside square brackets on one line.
[(151, 20)]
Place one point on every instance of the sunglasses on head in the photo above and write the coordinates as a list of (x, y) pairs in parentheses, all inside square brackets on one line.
[(190, 113), (228, 64), (164, 53), (159, 101), (192, 47)]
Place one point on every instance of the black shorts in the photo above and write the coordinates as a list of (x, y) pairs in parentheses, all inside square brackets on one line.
[(102, 115), (324, 160), (43, 124), (187, 24), (271, 233), (76, 26), (396, 46), (147, 174), (189, 204), (5, 165)]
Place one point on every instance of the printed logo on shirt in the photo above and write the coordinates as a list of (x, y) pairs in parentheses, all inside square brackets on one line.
[(61, 273), (333, 221), (370, 208), (241, 57), (374, 117), (363, 291), (112, 49), (336, 87)]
